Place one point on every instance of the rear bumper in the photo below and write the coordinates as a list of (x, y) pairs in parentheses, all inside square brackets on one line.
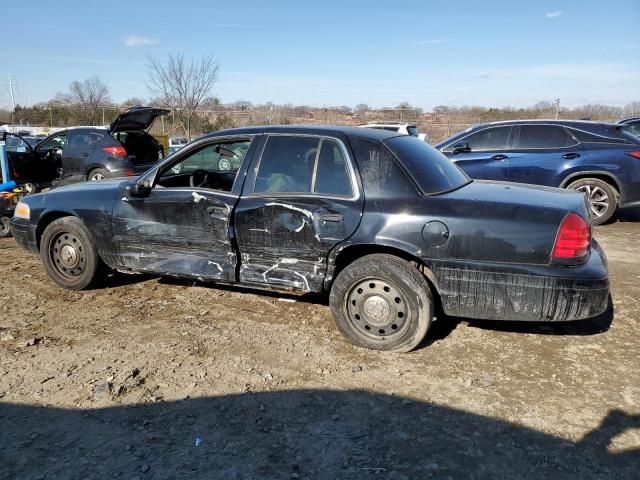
[(548, 294), (24, 233)]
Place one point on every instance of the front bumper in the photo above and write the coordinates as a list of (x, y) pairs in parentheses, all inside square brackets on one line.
[(24, 233), (525, 293)]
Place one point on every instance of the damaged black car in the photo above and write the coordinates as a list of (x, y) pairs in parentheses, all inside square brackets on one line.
[(383, 223), (76, 154)]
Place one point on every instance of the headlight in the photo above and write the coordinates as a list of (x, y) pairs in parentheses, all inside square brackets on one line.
[(22, 211)]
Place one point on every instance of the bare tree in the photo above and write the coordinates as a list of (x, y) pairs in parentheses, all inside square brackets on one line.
[(181, 85), (89, 95), (134, 102)]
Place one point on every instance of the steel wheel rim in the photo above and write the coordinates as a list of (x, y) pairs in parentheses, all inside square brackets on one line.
[(597, 197), (96, 176), (224, 164), (67, 255), (377, 310)]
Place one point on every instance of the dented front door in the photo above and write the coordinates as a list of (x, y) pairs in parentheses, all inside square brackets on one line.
[(176, 231)]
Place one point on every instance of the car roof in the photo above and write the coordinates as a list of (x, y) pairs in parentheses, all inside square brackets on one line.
[(553, 121), (328, 130)]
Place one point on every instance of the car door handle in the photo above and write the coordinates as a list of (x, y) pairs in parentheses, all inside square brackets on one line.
[(331, 217), (500, 156), (571, 155), (216, 209), (85, 155)]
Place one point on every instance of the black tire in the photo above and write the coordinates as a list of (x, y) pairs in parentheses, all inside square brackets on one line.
[(602, 197), (97, 174), (381, 302), (5, 231), (69, 254)]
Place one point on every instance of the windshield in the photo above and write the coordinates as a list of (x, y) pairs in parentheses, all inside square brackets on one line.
[(433, 172)]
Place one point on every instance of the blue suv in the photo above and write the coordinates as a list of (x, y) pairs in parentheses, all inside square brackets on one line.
[(602, 160)]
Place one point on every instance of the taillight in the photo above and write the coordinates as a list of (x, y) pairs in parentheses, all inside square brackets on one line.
[(115, 151), (574, 236), (635, 154), (129, 172)]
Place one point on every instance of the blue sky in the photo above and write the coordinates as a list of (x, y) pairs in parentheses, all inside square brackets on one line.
[(335, 52)]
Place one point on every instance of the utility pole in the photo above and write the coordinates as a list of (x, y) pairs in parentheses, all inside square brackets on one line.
[(13, 100), (556, 102)]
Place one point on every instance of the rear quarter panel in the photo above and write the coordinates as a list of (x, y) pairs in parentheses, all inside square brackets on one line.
[(624, 169)]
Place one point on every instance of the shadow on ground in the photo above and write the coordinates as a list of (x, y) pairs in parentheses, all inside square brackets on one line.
[(313, 434), (628, 214)]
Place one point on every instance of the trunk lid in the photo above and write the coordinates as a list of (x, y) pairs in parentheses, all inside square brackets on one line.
[(505, 222), (136, 118)]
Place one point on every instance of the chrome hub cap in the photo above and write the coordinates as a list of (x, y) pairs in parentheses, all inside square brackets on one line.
[(377, 310), (97, 176), (67, 255), (598, 199)]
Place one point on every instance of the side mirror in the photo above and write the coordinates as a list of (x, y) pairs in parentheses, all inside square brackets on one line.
[(135, 189), (461, 147)]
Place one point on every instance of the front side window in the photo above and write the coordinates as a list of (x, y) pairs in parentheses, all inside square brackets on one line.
[(544, 136), (55, 142), (495, 138), (212, 166)]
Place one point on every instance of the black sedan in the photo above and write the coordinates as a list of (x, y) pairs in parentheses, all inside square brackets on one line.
[(383, 223)]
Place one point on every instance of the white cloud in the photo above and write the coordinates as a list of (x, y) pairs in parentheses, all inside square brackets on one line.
[(430, 42), (554, 14), (136, 41)]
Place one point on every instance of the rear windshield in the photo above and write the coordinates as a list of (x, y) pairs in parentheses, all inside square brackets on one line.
[(432, 171), (633, 129)]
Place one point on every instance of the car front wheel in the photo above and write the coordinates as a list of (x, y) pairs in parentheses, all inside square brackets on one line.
[(69, 253), (381, 302), (602, 198)]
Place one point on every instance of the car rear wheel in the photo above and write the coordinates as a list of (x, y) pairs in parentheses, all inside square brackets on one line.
[(69, 253), (5, 231), (602, 197), (381, 302), (97, 174)]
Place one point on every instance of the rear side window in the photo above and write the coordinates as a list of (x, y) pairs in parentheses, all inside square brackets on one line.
[(586, 137), (432, 171), (332, 173), (544, 136), (380, 173), (287, 165), (495, 138), (80, 138)]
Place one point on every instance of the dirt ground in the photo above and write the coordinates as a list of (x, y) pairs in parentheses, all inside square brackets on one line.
[(151, 379)]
